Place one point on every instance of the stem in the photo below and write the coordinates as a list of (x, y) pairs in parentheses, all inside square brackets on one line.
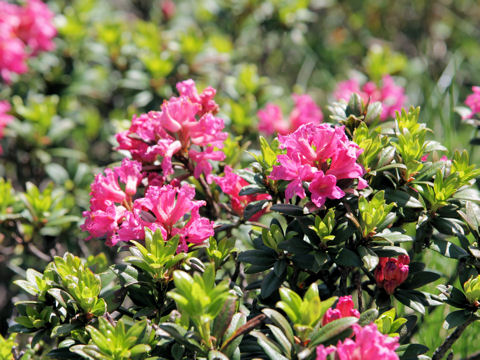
[(447, 344), (343, 281)]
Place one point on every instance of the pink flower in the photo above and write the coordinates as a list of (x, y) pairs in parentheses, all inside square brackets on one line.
[(345, 89), (318, 155), (130, 174), (13, 55), (271, 120), (4, 117), (391, 272), (36, 28), (473, 102), (231, 184), (304, 112), (24, 31), (369, 344), (344, 308), (185, 130), (390, 95), (169, 206)]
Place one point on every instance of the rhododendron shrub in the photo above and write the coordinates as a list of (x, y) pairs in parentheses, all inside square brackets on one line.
[(313, 246), (24, 32)]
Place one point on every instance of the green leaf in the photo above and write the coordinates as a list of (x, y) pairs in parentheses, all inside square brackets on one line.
[(457, 318), (369, 258), (224, 318), (216, 355), (331, 330), (270, 348), (413, 299), (288, 209), (403, 199), (271, 283), (63, 330), (281, 339), (448, 249), (367, 317), (418, 279), (254, 207), (281, 322), (347, 257)]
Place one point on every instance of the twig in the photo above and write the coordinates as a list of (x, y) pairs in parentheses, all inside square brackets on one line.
[(447, 344)]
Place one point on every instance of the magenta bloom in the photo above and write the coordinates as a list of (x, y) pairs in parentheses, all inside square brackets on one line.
[(318, 155), (369, 344), (391, 272), (473, 102), (109, 201), (304, 112), (344, 308), (24, 31), (390, 95), (115, 213), (36, 28), (231, 184), (184, 130), (4, 117)]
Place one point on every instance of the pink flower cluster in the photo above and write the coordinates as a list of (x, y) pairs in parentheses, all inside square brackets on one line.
[(369, 344), (304, 112), (231, 184), (390, 95), (24, 31), (344, 308), (319, 155), (473, 102), (116, 214), (391, 272), (185, 130), (4, 117)]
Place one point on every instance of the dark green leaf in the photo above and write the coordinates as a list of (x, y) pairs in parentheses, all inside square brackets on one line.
[(457, 318), (347, 257), (403, 199), (253, 208), (288, 209), (448, 249), (421, 278), (252, 189), (271, 283)]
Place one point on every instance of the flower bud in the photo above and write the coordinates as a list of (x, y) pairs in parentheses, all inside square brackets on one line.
[(391, 272), (472, 289)]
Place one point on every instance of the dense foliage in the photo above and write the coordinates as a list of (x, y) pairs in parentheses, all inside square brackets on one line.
[(146, 215)]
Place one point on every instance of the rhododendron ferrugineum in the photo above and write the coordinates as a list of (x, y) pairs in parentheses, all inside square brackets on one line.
[(391, 272), (185, 130), (319, 155), (231, 184), (304, 112), (115, 214), (24, 31), (344, 308), (389, 94), (473, 102), (369, 344)]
